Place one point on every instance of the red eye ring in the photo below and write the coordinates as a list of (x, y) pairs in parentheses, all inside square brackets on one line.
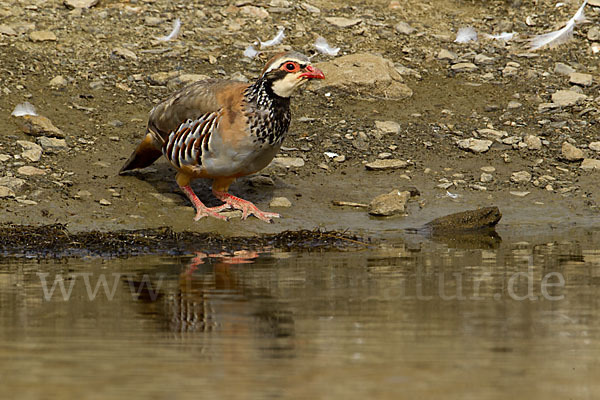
[(290, 66)]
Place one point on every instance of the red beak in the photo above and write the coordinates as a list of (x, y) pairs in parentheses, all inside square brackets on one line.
[(313, 73)]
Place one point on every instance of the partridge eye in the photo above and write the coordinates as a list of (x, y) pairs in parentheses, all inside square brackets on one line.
[(290, 66)]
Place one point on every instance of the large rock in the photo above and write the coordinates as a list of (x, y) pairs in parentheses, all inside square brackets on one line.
[(566, 98), (593, 33), (162, 77), (30, 171), (533, 142), (493, 134), (389, 204), (261, 180), (571, 153), (52, 145), (388, 127), (578, 78), (80, 3), (31, 151), (367, 74), (7, 30), (310, 8), (404, 28), (590, 164), (595, 146), (447, 55), (564, 69), (280, 202), (475, 145), (463, 67), (124, 53), (342, 22), (14, 184), (253, 11), (520, 177), (37, 125), (6, 192), (42, 36), (287, 162), (482, 59), (383, 165), (58, 81), (472, 220)]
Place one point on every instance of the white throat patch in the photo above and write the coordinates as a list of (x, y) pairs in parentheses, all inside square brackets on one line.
[(286, 86)]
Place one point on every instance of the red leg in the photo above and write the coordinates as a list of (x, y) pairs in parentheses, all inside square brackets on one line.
[(247, 207), (201, 209)]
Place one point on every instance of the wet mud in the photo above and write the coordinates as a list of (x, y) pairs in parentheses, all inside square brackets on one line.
[(55, 241)]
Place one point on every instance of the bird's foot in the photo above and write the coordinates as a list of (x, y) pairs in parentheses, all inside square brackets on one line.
[(204, 211), (246, 206), (201, 210)]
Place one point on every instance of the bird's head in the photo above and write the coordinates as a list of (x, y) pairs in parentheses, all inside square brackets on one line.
[(287, 71)]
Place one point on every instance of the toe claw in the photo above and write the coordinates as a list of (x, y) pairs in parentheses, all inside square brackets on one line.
[(266, 216), (245, 206), (201, 210), (210, 213)]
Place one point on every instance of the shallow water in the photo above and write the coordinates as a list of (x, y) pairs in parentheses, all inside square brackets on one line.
[(423, 321)]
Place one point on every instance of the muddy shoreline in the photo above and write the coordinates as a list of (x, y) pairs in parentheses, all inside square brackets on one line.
[(55, 241), (101, 101)]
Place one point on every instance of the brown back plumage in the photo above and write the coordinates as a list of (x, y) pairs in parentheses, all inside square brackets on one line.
[(190, 102)]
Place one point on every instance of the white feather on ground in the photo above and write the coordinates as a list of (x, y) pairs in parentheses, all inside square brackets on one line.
[(275, 41), (250, 52), (466, 34), (24, 109), (323, 47), (506, 36), (174, 33), (560, 36)]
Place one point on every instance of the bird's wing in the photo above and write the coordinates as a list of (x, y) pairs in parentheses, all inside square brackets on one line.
[(186, 144), (191, 102), (224, 133)]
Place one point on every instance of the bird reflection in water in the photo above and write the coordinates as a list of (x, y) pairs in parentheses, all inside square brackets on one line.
[(208, 278), (223, 293)]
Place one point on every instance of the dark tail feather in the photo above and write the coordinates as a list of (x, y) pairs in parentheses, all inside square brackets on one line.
[(144, 155)]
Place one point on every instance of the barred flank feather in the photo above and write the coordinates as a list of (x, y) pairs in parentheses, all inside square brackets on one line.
[(186, 144)]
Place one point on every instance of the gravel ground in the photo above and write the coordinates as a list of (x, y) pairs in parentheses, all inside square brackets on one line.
[(466, 124)]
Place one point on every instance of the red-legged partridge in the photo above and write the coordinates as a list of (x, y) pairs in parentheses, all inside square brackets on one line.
[(222, 130)]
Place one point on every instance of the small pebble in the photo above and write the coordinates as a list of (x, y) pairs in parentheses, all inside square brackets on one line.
[(280, 202)]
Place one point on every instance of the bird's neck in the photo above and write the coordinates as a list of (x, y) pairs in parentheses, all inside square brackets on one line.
[(268, 113), (262, 95)]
